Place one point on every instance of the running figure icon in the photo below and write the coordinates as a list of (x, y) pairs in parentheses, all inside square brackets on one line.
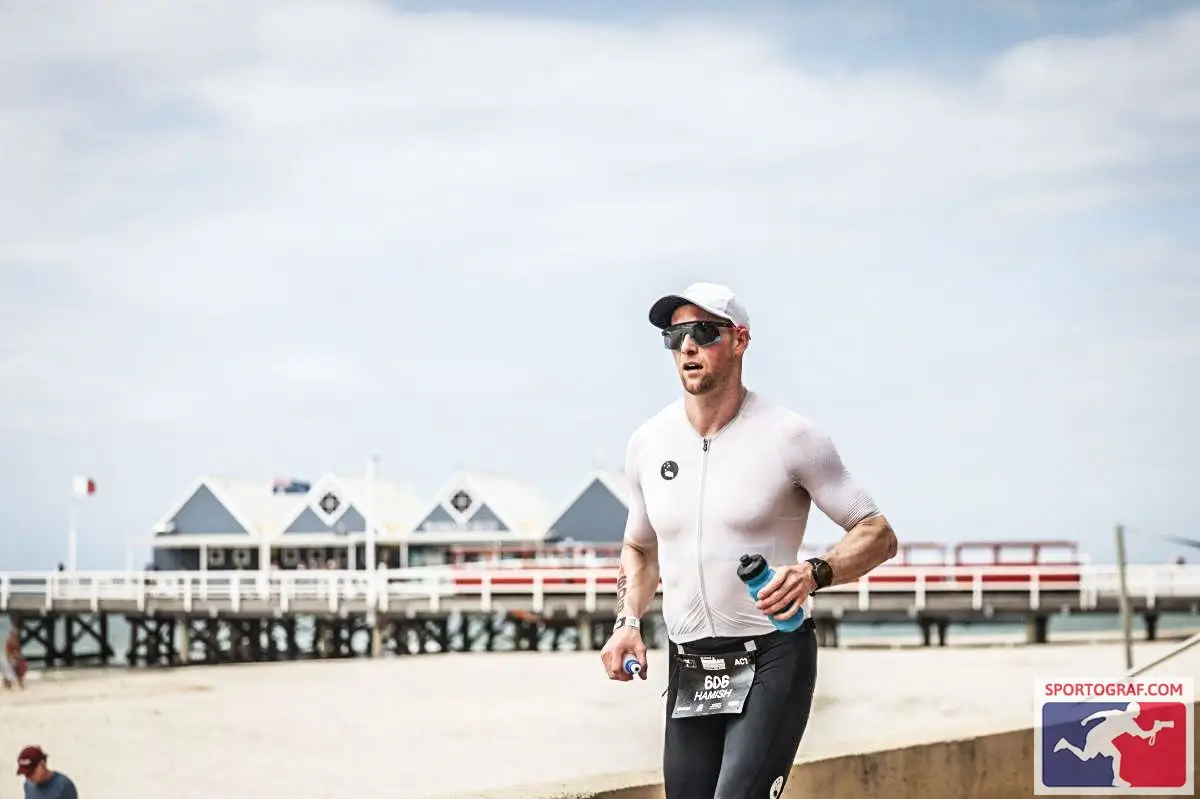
[(1100, 739)]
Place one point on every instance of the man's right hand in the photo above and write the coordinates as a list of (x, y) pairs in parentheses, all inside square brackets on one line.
[(623, 642)]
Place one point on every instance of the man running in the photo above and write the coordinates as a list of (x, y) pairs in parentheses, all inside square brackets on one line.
[(720, 473)]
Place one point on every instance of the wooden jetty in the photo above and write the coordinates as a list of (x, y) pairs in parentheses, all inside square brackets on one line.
[(179, 618)]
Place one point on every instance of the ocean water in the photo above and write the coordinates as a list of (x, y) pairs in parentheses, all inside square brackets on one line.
[(850, 632), (1058, 623)]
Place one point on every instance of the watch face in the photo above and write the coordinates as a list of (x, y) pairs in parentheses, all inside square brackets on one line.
[(822, 572)]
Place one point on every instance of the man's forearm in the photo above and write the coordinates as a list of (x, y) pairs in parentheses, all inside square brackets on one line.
[(868, 544), (637, 581)]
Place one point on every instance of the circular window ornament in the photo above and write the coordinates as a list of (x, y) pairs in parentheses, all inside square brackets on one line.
[(461, 501), (329, 503)]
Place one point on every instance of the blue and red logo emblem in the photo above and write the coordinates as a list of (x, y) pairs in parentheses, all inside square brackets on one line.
[(1105, 737)]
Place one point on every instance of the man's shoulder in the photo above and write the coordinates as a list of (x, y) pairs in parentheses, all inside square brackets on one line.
[(60, 783), (774, 414), (67, 786)]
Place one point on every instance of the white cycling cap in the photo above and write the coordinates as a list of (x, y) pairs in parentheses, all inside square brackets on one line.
[(712, 297)]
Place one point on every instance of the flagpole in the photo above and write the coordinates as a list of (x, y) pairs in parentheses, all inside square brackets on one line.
[(71, 535), (369, 554), (370, 531), (81, 486)]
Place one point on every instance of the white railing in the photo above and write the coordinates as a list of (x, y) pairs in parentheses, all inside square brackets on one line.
[(434, 586)]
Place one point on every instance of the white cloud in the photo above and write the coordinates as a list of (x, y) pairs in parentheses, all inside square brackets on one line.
[(246, 215), (202, 161), (293, 138)]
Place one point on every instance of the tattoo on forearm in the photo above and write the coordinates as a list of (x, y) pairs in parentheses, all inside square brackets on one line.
[(620, 590)]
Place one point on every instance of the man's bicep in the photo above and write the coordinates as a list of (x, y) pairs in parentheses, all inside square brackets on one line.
[(818, 468), (638, 530)]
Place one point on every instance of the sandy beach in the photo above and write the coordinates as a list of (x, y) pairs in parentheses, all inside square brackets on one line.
[(450, 725)]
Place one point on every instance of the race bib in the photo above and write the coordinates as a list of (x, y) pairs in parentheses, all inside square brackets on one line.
[(713, 684)]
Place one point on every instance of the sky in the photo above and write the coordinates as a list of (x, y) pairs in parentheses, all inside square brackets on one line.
[(277, 237)]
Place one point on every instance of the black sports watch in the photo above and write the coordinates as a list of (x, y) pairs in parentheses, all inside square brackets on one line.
[(822, 573)]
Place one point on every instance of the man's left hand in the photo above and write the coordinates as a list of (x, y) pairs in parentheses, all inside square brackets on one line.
[(791, 584)]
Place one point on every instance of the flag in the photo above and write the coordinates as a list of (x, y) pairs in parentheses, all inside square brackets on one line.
[(84, 486), (290, 485)]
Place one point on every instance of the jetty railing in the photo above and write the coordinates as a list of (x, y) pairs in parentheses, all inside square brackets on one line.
[(434, 586)]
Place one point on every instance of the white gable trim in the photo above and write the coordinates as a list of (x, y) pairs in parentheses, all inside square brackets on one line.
[(209, 540), (443, 538), (205, 482), (462, 481), (178, 506)]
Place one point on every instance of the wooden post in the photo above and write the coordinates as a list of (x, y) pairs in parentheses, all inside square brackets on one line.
[(1126, 616)]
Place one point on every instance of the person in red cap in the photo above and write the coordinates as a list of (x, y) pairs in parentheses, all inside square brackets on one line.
[(40, 781)]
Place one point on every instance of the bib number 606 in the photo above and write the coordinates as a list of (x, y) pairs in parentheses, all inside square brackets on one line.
[(713, 682)]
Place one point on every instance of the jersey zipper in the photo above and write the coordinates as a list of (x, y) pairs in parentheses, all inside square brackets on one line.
[(712, 630), (706, 443)]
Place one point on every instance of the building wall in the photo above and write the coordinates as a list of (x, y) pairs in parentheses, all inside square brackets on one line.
[(188, 559), (216, 559), (384, 553), (430, 555), (176, 560)]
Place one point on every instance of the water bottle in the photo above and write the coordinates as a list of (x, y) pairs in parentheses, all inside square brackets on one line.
[(633, 666), (756, 573)]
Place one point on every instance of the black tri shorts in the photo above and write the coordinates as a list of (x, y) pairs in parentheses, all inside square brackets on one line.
[(748, 755)]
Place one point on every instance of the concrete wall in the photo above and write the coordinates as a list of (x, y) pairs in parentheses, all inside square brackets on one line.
[(995, 766)]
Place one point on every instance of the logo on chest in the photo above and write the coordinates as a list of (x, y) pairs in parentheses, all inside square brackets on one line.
[(669, 470)]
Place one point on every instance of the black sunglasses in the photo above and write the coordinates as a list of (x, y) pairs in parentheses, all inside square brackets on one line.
[(703, 333)]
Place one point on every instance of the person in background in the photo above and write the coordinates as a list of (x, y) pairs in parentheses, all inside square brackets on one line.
[(13, 667), (40, 781)]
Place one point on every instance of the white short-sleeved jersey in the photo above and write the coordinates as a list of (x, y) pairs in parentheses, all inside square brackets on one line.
[(705, 502)]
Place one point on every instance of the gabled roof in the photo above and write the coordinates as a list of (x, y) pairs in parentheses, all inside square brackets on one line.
[(518, 506), (395, 506), (523, 506), (220, 488), (614, 482), (254, 500), (265, 513)]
